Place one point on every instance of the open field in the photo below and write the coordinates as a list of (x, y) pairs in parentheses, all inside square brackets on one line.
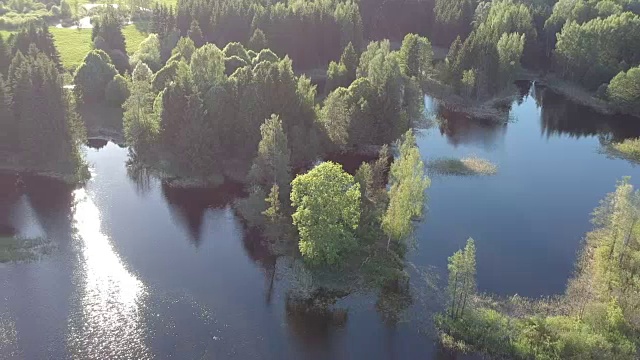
[(73, 44)]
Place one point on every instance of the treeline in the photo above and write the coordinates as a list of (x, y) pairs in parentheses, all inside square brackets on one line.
[(597, 318), (200, 114), (39, 130)]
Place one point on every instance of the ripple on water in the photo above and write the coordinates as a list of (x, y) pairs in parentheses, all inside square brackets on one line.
[(107, 319)]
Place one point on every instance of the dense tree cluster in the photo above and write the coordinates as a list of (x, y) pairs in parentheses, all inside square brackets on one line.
[(379, 106), (310, 32), (209, 120), (593, 52), (106, 35), (38, 126), (489, 57)]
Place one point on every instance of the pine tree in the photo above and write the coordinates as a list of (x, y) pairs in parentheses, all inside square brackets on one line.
[(195, 34), (5, 56)]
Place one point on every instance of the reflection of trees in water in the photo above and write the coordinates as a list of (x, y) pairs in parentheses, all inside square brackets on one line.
[(97, 143), (562, 117), (460, 129), (313, 321), (258, 250), (52, 203), (189, 205)]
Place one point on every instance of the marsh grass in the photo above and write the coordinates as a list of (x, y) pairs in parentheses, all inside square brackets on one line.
[(628, 149), (13, 249), (468, 166)]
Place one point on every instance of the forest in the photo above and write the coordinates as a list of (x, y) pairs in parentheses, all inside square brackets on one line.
[(261, 93)]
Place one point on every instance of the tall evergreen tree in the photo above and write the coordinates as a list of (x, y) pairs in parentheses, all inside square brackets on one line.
[(195, 34)]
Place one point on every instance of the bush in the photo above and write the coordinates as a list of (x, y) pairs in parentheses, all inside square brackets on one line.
[(117, 91), (92, 77)]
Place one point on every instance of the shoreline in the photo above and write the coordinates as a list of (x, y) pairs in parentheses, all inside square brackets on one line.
[(490, 109), (17, 170)]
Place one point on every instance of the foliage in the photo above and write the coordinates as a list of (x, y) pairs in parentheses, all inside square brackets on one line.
[(109, 27), (416, 57), (311, 32), (42, 116), (600, 320), (140, 120), (149, 53), (593, 52), (207, 67), (195, 34), (462, 279), (184, 48), (342, 74), (258, 41), (117, 91), (406, 195), (624, 90), (468, 166), (271, 165), (93, 76), (327, 202)]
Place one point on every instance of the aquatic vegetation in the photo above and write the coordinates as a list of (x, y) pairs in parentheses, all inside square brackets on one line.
[(628, 149), (14, 249), (468, 166)]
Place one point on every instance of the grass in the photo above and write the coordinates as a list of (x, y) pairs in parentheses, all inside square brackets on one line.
[(15, 249), (469, 166), (74, 44), (5, 34), (628, 149)]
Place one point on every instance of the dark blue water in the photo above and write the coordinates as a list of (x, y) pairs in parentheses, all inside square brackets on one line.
[(144, 271)]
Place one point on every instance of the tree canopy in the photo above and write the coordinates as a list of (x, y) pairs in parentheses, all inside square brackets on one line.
[(327, 203)]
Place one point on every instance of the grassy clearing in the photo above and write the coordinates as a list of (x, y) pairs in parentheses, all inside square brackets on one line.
[(15, 249), (74, 44), (469, 166)]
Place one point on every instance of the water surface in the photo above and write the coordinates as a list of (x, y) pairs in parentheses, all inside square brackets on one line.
[(145, 271)]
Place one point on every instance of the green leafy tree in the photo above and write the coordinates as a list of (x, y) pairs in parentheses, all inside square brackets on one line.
[(335, 116), (272, 164), (416, 57), (462, 279), (406, 195), (117, 91), (140, 120), (184, 48), (207, 67), (327, 202), (149, 53), (273, 212), (93, 76), (510, 48), (624, 90)]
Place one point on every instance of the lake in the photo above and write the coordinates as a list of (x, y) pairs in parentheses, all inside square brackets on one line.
[(141, 270)]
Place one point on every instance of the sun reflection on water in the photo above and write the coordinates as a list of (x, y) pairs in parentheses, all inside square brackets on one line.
[(109, 320)]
